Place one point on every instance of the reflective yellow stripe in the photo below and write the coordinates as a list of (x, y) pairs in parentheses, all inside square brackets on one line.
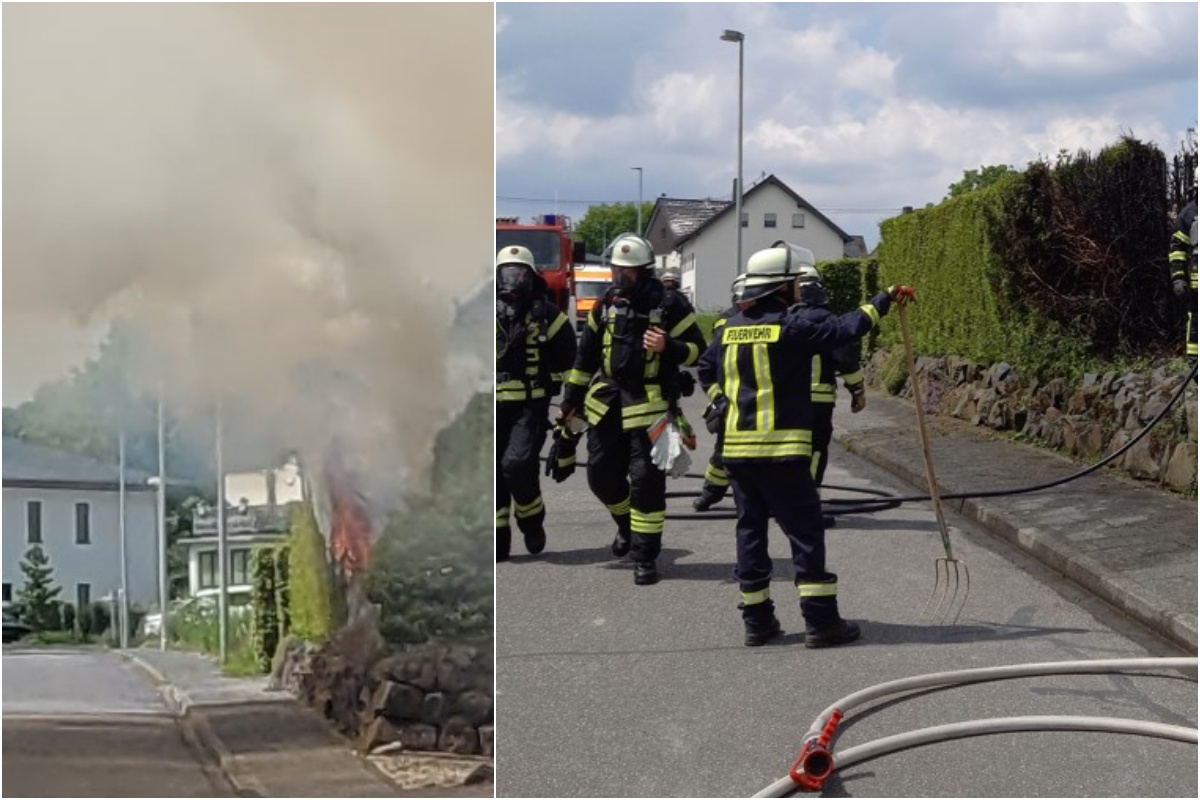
[(852, 378), (750, 334), (823, 393), (754, 598), (566, 462), (716, 476), (592, 324), (815, 463), (607, 348), (502, 517), (733, 383), (1181, 237), (683, 325), (816, 589), (733, 452), (559, 321), (619, 508), (530, 509), (720, 323), (693, 354), (647, 523), (713, 392), (872, 312), (764, 396), (577, 377)]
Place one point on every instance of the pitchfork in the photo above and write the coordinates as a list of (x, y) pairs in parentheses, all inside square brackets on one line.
[(945, 591)]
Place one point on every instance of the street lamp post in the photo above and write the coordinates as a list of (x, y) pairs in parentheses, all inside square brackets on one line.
[(739, 37), (222, 544), (639, 205), (161, 480), (123, 618)]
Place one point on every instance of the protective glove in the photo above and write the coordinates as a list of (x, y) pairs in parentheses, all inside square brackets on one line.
[(714, 414), (903, 294), (858, 399), (1179, 286), (560, 460)]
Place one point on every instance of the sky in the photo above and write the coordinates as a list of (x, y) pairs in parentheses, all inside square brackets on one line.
[(861, 108)]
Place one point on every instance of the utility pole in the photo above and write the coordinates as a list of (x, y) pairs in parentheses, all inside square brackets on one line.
[(639, 203), (739, 37), (163, 591), (222, 544), (123, 611)]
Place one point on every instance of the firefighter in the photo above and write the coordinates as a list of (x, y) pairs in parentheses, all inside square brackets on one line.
[(841, 361), (716, 482), (637, 337), (1182, 260), (534, 346), (762, 362), (669, 276)]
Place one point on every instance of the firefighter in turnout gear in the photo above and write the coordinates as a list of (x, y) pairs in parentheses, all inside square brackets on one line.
[(534, 346), (637, 337), (1182, 261), (762, 362), (716, 482), (841, 361)]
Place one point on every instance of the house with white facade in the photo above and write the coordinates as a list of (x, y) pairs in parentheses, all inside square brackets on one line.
[(701, 236), (69, 505), (258, 509)]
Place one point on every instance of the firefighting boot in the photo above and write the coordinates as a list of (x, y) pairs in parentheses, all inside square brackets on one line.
[(761, 623), (645, 573), (710, 495), (824, 626), (622, 541), (503, 542), (828, 521), (535, 539)]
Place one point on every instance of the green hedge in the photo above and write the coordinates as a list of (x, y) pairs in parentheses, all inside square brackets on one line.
[(309, 578), (265, 605), (1052, 269)]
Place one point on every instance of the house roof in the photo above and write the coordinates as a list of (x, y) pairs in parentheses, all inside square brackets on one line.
[(28, 465), (683, 217), (770, 180)]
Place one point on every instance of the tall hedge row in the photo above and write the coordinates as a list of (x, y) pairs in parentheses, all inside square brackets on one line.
[(264, 606), (1048, 269), (309, 578)]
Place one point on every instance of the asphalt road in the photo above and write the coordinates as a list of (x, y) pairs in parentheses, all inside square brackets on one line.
[(607, 689), (82, 723)]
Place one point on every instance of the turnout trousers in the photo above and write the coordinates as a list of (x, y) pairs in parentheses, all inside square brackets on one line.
[(622, 476), (521, 430), (786, 491)]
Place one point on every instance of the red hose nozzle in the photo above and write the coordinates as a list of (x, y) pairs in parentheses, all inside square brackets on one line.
[(815, 762)]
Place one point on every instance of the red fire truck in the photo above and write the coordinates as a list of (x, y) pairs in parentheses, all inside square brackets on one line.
[(554, 254)]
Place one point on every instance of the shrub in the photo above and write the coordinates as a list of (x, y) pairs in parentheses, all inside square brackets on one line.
[(264, 600), (309, 578)]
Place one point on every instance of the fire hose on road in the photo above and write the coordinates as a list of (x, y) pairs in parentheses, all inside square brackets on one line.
[(817, 762)]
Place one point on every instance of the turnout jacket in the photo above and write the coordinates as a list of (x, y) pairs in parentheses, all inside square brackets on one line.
[(762, 362), (828, 365), (613, 371), (533, 349), (1182, 258)]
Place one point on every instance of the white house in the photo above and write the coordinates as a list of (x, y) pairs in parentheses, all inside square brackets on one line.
[(258, 513), (702, 234), (69, 505)]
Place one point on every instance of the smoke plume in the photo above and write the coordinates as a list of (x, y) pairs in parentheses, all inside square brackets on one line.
[(285, 199)]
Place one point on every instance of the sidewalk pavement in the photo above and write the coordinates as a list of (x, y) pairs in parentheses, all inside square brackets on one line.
[(1128, 543), (266, 743)]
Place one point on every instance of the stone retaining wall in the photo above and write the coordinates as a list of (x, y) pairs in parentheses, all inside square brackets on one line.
[(1088, 420), (434, 697)]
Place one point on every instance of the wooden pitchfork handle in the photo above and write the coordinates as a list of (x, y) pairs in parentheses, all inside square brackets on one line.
[(918, 400)]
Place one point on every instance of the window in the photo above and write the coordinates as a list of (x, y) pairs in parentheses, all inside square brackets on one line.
[(208, 569), (798, 220), (83, 596), (768, 220), (239, 572), (83, 523), (33, 522), (745, 219), (8, 592)]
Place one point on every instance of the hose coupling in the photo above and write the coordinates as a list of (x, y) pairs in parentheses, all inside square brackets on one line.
[(815, 762)]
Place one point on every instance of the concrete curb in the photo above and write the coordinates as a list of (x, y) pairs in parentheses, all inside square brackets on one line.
[(196, 728), (1177, 628)]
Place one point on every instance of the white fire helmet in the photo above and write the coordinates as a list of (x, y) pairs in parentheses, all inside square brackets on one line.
[(515, 254), (629, 250), (769, 269)]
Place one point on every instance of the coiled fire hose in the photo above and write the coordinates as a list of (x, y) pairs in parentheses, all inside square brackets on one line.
[(816, 761), (886, 501)]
